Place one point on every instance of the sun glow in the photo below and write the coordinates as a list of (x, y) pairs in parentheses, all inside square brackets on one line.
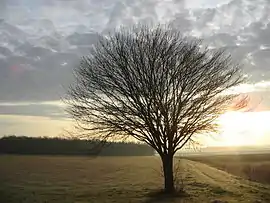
[(244, 128)]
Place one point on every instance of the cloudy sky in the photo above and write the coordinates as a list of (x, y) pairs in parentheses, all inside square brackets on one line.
[(41, 41)]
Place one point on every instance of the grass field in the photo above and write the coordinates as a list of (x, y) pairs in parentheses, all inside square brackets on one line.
[(255, 167), (31, 179)]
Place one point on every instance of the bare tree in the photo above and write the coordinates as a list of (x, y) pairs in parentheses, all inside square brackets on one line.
[(154, 85)]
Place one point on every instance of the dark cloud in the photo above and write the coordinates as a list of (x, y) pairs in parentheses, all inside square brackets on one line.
[(41, 110), (39, 49)]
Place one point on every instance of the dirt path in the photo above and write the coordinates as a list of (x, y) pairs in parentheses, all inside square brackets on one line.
[(209, 182)]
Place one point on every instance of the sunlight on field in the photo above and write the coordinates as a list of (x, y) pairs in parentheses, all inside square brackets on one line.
[(67, 179), (253, 167)]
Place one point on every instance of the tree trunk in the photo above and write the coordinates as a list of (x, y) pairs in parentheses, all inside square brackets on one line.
[(167, 161)]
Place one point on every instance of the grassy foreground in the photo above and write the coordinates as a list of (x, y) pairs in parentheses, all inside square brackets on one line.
[(115, 179)]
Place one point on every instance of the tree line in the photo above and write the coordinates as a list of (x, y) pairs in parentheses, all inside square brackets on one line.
[(60, 146)]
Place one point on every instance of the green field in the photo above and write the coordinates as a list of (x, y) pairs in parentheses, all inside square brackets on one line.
[(116, 179)]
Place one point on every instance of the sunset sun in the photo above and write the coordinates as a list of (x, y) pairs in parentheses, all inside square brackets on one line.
[(243, 128)]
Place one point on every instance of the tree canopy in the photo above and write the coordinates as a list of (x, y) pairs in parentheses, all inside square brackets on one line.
[(154, 85)]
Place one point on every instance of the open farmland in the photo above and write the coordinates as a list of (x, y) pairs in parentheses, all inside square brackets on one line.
[(255, 167), (67, 179)]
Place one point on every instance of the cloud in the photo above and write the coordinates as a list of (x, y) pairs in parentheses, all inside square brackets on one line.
[(39, 48), (46, 81), (262, 86), (40, 44), (33, 109), (195, 4)]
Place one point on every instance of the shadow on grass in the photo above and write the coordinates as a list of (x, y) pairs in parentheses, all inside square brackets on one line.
[(161, 196)]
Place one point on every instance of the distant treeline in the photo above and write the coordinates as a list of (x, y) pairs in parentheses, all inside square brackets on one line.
[(59, 146)]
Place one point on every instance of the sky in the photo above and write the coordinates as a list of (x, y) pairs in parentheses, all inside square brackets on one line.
[(42, 41)]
